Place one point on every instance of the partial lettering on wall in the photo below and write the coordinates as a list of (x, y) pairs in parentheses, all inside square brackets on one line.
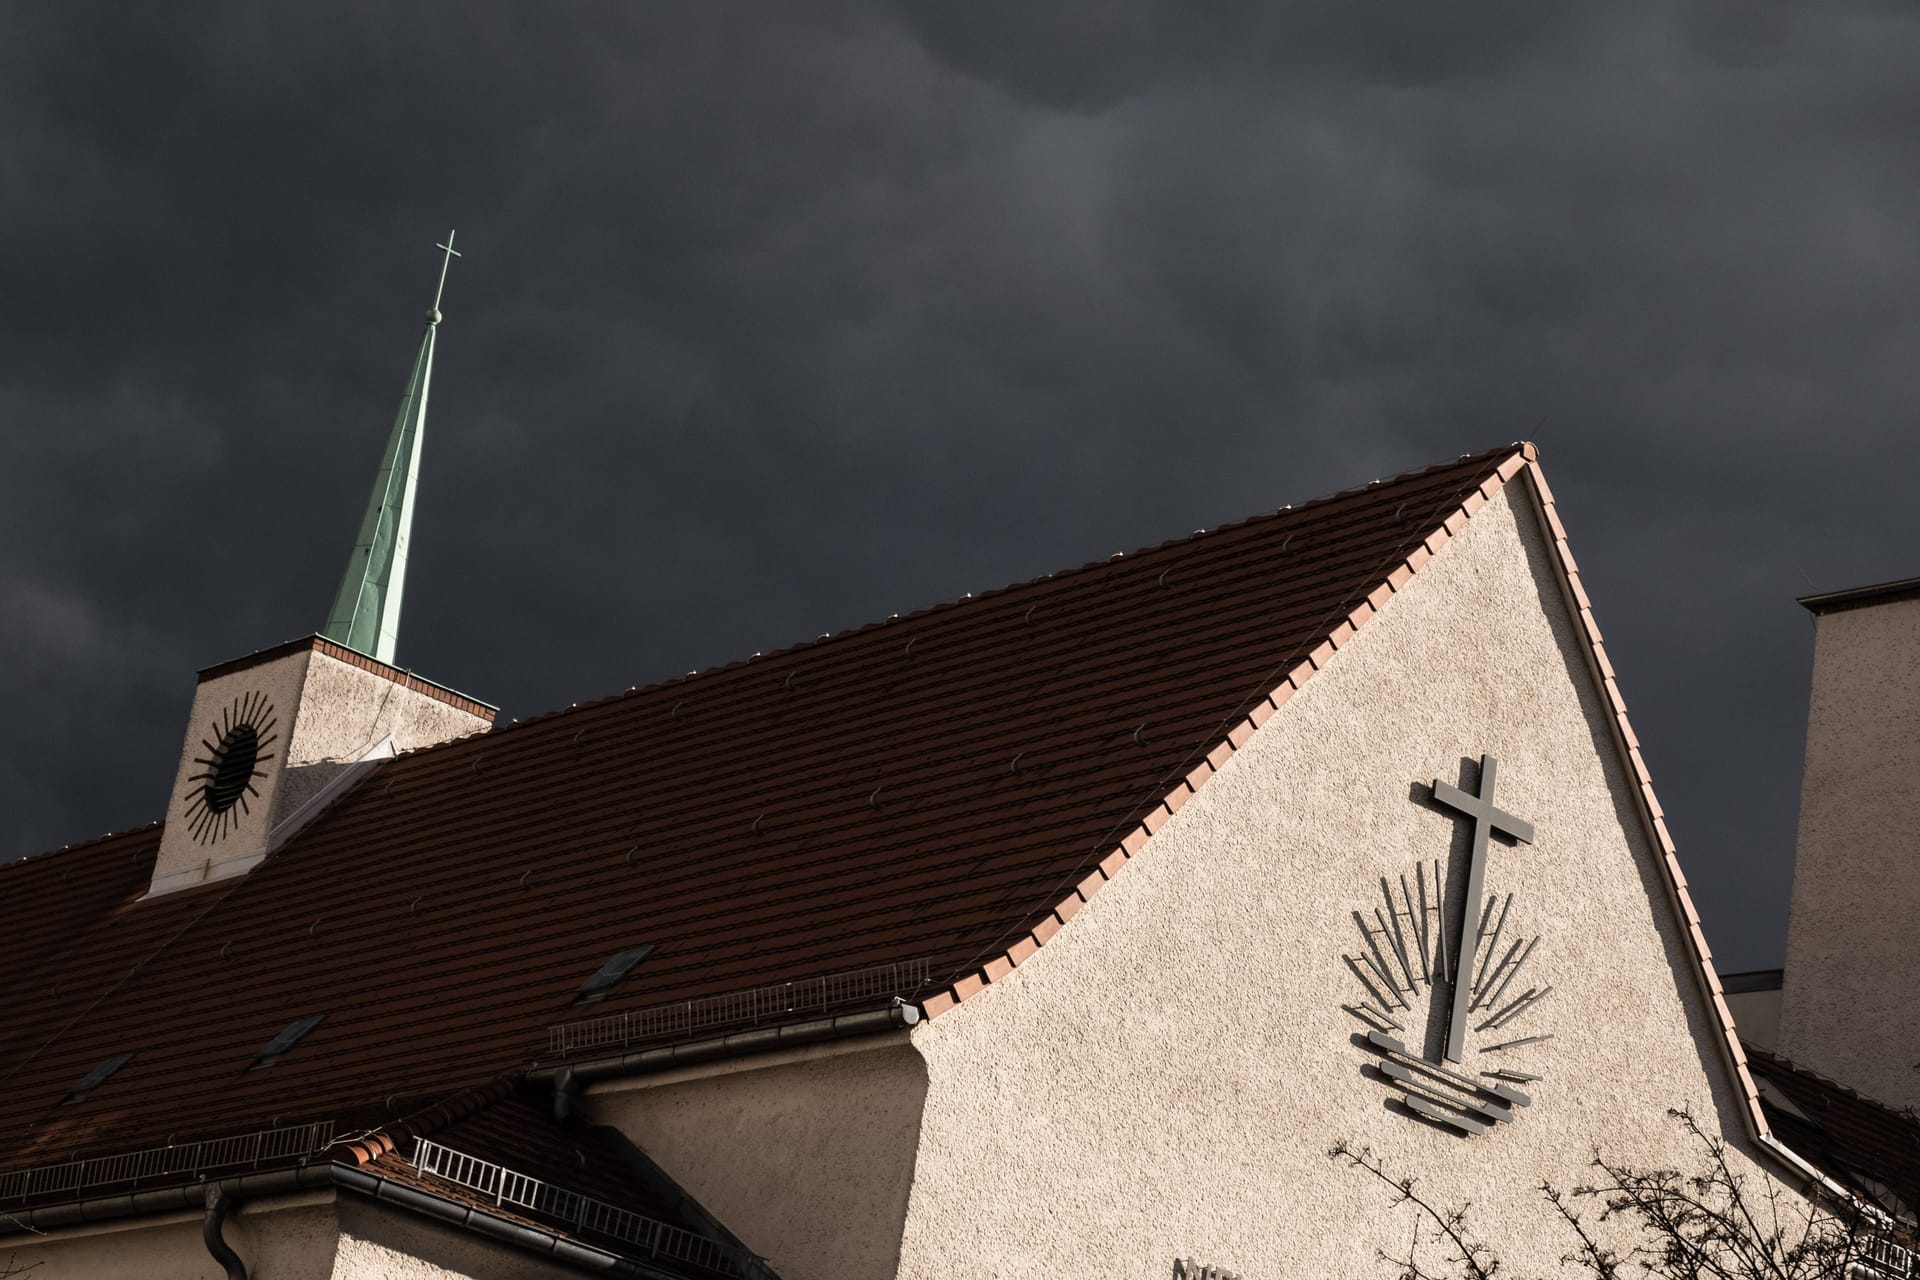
[(1188, 1269)]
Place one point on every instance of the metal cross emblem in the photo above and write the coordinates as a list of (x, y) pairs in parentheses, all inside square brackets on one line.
[(450, 253), (1407, 958), (1486, 819)]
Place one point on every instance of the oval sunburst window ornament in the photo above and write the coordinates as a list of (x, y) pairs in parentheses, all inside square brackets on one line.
[(221, 792)]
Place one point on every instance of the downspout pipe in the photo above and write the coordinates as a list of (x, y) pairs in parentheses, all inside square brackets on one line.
[(219, 1205)]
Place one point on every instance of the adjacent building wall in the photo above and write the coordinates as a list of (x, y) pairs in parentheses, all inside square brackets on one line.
[(1853, 935), (1166, 1077), (1754, 1001), (283, 1238), (806, 1156)]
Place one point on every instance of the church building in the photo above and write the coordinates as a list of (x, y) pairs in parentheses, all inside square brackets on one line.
[(1061, 930)]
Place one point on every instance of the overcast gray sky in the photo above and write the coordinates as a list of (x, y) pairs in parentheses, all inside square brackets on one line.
[(775, 319)]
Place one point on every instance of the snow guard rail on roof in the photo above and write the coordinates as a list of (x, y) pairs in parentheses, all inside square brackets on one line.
[(1889, 1257), (751, 1007), (583, 1213), (190, 1159)]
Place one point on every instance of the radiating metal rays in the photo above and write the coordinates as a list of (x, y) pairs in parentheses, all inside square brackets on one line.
[(1515, 1044), (1443, 1095), (1508, 1073), (1402, 958), (222, 791), (1403, 948), (1495, 976), (1532, 997)]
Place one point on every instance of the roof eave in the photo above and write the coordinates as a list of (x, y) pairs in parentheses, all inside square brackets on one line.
[(792, 1035), (1861, 597), (192, 1195)]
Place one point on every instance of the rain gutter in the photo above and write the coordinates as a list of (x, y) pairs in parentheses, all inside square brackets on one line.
[(640, 1062), (232, 1191), (1801, 1165)]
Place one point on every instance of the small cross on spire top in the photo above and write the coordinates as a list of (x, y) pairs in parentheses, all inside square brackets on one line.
[(433, 313)]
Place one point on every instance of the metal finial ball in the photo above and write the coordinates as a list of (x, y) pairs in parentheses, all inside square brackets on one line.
[(433, 315)]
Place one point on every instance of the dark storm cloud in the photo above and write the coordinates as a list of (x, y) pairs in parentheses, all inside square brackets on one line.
[(778, 319)]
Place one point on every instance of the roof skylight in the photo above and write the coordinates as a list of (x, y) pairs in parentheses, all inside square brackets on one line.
[(610, 973), (288, 1037), (96, 1077)]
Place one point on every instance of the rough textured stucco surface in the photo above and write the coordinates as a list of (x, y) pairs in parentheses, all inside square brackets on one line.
[(327, 715), (808, 1161), (344, 711), (281, 682), (1852, 963), (377, 1243), (290, 1238), (1164, 1079)]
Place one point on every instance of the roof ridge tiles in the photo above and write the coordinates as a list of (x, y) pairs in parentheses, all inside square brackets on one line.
[(767, 657), (1512, 461), (978, 597)]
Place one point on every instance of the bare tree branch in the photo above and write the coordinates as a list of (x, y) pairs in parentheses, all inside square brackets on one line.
[(1478, 1261), (1658, 1224)]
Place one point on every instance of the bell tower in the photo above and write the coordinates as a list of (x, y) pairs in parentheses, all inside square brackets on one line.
[(272, 738)]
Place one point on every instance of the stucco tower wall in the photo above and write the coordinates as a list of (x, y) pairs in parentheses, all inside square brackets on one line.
[(1848, 1006), (325, 715), (346, 711), (1165, 1077), (349, 710), (183, 856), (806, 1156)]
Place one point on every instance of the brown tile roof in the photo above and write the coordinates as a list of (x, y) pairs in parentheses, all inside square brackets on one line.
[(1848, 1136), (945, 787), (64, 893)]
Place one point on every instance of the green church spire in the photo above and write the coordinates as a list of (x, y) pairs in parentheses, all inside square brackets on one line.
[(366, 613)]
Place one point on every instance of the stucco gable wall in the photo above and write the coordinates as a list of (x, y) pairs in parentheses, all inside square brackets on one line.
[(1165, 1077), (381, 1243)]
